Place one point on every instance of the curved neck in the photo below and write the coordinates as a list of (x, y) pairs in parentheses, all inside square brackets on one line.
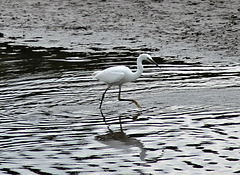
[(139, 68)]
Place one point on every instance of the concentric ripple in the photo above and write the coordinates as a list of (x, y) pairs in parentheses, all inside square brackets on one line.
[(50, 121)]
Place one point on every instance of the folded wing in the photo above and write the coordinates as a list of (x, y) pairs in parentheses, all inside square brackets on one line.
[(109, 76)]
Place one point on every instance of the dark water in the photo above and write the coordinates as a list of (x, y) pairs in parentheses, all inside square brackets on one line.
[(50, 121)]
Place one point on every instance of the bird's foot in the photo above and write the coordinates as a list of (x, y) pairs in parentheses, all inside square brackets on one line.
[(136, 103)]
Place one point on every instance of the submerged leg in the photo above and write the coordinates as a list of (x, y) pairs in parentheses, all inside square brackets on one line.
[(132, 100), (103, 96), (104, 119), (120, 123)]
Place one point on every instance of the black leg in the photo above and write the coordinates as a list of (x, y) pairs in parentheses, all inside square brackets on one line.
[(120, 123), (103, 96), (131, 100)]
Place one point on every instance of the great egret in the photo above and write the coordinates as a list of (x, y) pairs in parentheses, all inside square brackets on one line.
[(119, 75)]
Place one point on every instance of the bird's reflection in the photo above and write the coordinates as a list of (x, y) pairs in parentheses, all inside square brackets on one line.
[(119, 139)]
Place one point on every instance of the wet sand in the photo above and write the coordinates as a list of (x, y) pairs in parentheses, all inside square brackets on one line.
[(195, 31)]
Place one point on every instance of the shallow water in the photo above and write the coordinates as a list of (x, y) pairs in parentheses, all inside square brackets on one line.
[(51, 124)]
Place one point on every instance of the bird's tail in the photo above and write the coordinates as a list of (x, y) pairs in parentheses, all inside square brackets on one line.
[(94, 74)]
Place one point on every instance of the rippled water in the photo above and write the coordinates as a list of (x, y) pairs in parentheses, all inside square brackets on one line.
[(50, 121)]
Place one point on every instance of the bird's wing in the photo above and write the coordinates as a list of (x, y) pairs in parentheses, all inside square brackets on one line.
[(110, 76)]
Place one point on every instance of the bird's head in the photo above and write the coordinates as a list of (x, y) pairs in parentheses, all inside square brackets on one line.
[(148, 58)]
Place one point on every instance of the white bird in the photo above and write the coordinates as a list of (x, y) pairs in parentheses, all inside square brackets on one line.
[(119, 75)]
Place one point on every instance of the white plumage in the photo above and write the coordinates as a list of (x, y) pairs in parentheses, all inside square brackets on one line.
[(115, 75), (119, 75)]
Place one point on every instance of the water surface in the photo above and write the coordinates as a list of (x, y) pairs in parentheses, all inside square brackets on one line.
[(50, 121)]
